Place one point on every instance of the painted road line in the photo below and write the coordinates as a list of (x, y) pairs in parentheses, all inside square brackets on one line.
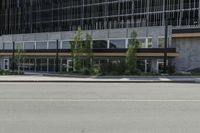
[(93, 100)]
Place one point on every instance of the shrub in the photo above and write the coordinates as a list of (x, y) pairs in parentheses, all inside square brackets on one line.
[(7, 72), (86, 71), (96, 70), (133, 72), (171, 69)]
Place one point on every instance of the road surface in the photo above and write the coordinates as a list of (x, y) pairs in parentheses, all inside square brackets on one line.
[(99, 108)]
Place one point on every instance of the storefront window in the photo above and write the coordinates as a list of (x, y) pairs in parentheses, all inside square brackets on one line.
[(161, 42), (100, 44), (41, 45), (51, 65), (149, 43), (8, 45), (29, 45), (142, 43), (53, 45), (117, 44), (1, 45), (19, 45), (66, 45), (44, 65)]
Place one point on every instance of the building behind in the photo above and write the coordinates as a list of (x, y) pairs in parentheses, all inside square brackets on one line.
[(35, 25)]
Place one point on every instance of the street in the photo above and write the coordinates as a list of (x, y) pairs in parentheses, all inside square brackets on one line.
[(99, 108)]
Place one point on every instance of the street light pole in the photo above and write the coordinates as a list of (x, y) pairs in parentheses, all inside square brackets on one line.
[(166, 45), (13, 57), (166, 39), (57, 50)]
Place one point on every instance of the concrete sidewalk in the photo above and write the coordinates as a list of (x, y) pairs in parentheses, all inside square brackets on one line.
[(103, 79)]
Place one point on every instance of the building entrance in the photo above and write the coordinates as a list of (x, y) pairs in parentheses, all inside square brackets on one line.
[(6, 64)]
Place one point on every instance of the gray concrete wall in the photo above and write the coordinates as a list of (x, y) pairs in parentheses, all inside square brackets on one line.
[(153, 32), (189, 53)]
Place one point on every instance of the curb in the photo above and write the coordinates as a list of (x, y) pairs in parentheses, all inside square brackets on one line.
[(115, 77), (79, 81)]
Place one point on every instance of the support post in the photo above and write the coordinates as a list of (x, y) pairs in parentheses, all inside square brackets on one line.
[(13, 57), (57, 52), (166, 39), (166, 45)]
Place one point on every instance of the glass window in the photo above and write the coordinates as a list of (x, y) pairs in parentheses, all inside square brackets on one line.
[(53, 45), (38, 65), (26, 64), (19, 45), (161, 42), (117, 43), (66, 45), (141, 65), (51, 65), (99, 44), (8, 45), (149, 43), (142, 43), (32, 65), (44, 65), (1, 45), (29, 45), (41, 45)]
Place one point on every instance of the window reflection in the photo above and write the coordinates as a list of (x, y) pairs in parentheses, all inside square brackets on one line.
[(117, 44), (99, 44)]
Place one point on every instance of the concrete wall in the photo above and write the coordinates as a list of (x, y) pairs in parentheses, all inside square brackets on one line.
[(153, 32), (189, 53)]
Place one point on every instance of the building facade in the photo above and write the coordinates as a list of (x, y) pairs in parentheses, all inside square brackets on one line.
[(36, 25)]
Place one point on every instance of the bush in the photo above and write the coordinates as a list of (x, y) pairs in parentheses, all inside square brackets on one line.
[(96, 70), (133, 72), (171, 69), (86, 71), (7, 72), (113, 68), (106, 68)]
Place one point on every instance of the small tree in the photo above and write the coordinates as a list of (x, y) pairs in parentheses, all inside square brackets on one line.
[(131, 55), (19, 56), (76, 46), (87, 50)]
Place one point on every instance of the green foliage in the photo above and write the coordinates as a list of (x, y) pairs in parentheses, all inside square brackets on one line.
[(86, 71), (76, 46), (19, 58), (7, 72), (96, 70), (88, 52), (81, 51), (19, 55), (117, 68), (131, 59), (133, 42), (131, 55)]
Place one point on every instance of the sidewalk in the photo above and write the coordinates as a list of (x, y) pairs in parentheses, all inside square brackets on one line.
[(103, 79)]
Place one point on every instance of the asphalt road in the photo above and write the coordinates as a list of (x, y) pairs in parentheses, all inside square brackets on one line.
[(99, 108)]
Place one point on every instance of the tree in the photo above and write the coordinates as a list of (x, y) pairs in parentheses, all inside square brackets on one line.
[(131, 55), (88, 51), (19, 56), (80, 49), (76, 45)]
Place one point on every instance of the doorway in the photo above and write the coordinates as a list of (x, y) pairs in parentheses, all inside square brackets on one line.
[(6, 64)]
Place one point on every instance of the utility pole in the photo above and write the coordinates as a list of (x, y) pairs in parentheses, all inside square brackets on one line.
[(13, 57), (166, 45), (57, 51), (166, 39)]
